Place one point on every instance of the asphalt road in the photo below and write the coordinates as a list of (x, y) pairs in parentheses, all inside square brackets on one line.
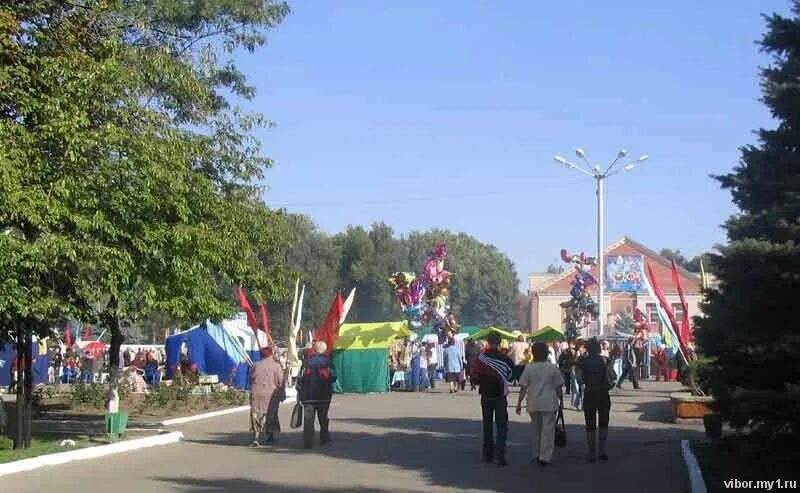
[(399, 442)]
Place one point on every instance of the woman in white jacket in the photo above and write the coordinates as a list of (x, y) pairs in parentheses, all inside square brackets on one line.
[(541, 382)]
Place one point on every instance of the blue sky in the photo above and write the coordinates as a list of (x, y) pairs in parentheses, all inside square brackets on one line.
[(381, 102)]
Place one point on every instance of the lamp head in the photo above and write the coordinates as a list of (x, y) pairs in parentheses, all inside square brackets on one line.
[(560, 160), (629, 167), (580, 153), (643, 158), (622, 153)]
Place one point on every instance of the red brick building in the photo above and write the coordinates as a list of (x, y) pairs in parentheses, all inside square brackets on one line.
[(548, 291)]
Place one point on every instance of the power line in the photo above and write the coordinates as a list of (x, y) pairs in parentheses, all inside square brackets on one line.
[(403, 200)]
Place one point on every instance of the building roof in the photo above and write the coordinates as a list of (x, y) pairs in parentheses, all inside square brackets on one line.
[(662, 269)]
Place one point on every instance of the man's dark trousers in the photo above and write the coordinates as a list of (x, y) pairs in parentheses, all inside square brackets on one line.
[(495, 411), (320, 409)]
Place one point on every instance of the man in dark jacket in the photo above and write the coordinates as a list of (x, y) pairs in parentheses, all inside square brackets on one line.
[(492, 372), (315, 390), (630, 364), (565, 363), (471, 352)]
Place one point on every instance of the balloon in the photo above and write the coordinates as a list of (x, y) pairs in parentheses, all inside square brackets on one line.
[(423, 297)]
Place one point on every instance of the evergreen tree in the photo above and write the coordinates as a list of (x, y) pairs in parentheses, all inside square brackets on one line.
[(751, 326)]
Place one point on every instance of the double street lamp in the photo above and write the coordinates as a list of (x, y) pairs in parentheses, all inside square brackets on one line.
[(600, 176)]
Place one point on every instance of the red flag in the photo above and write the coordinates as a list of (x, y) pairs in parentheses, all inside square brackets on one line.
[(251, 317), (663, 301), (68, 335), (265, 322), (686, 331), (329, 330)]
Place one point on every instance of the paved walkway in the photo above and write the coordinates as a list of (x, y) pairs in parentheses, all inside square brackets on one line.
[(398, 442)]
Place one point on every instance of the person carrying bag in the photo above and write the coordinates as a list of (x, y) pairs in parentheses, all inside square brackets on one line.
[(542, 383), (561, 427)]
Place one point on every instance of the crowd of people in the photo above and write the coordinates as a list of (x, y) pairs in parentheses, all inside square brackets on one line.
[(92, 365), (269, 379), (585, 369)]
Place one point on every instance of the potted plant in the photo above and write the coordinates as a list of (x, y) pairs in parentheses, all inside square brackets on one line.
[(695, 403)]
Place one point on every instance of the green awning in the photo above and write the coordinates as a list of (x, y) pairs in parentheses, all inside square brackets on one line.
[(484, 333), (547, 334)]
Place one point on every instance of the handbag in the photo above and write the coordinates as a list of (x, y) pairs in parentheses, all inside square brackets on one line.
[(561, 428), (297, 416)]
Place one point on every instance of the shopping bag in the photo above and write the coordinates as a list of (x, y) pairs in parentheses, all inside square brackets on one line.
[(561, 428), (297, 416)]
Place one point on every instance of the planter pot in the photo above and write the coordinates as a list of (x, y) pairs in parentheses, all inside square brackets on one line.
[(688, 406)]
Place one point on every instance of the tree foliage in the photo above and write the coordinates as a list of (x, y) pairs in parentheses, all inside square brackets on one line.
[(751, 325), (484, 289), (125, 165)]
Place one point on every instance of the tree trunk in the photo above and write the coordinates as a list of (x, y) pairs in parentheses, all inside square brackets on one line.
[(113, 359), (28, 384), (19, 433)]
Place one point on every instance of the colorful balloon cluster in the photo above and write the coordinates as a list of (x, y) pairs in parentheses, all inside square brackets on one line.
[(641, 327), (423, 297), (581, 307)]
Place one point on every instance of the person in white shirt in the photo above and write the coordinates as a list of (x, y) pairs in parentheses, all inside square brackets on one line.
[(541, 382), (433, 363)]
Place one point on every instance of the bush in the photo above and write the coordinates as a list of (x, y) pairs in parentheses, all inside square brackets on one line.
[(229, 397), (89, 395), (169, 395), (698, 375)]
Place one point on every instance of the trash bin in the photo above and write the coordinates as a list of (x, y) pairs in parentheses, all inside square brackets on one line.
[(116, 424)]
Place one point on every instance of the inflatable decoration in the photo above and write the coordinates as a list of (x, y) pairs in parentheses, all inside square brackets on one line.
[(580, 307), (424, 297), (641, 327)]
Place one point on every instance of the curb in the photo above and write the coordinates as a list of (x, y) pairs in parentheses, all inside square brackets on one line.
[(696, 482), (88, 453), (213, 414)]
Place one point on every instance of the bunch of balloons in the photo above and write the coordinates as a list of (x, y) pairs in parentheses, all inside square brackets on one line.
[(423, 297), (641, 327), (581, 307)]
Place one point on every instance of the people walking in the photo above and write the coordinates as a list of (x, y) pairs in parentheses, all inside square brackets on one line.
[(565, 363), (315, 392), (596, 375), (630, 365), (471, 352), (433, 363), (517, 355), (542, 383), (492, 372), (576, 396), (453, 365), (267, 391)]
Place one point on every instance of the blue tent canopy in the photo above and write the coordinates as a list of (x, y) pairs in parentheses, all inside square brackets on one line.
[(213, 350), (41, 363)]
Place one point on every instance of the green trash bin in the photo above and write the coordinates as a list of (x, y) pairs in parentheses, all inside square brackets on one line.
[(116, 424)]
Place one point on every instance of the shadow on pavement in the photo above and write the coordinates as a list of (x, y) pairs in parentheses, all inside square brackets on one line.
[(447, 452), (237, 485)]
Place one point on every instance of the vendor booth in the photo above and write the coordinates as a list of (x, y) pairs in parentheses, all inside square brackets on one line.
[(215, 352), (361, 356)]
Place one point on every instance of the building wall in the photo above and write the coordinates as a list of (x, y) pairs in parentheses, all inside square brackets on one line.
[(550, 311), (548, 292)]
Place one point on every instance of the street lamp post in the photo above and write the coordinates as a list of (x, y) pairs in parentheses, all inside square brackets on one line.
[(600, 177)]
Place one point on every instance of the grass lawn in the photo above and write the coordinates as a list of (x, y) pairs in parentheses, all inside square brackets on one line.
[(44, 443)]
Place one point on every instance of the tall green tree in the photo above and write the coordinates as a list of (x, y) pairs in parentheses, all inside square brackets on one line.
[(314, 258), (751, 326), (125, 165)]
